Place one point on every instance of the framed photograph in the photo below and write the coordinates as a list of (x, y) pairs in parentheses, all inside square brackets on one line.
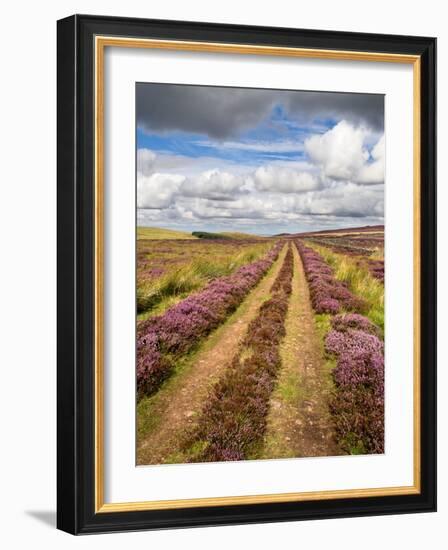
[(246, 274)]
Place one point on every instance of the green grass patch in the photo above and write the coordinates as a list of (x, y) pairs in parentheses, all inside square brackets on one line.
[(323, 326), (291, 389), (353, 444), (187, 455), (161, 307), (323, 323), (148, 415)]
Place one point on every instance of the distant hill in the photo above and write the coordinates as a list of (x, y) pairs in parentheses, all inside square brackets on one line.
[(362, 229), (161, 233)]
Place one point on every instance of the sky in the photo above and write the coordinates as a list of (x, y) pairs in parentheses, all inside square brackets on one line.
[(258, 161)]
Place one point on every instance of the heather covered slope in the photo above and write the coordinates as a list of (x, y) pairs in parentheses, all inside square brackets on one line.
[(355, 344), (163, 339), (165, 419), (170, 270), (344, 230), (282, 357)]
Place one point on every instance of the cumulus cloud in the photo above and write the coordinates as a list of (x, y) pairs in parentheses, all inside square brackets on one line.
[(274, 176), (284, 180), (332, 185), (245, 207), (342, 155), (359, 109), (157, 190), (343, 200), (159, 181), (145, 161), (213, 184), (221, 113), (374, 171), (346, 200)]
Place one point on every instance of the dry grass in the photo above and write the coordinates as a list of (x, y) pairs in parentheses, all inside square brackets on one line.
[(378, 254), (154, 296), (240, 236), (360, 282), (161, 233)]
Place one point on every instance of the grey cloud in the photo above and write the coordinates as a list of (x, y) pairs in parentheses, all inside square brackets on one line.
[(225, 112), (365, 109), (340, 201), (217, 112), (274, 192), (343, 200), (145, 161)]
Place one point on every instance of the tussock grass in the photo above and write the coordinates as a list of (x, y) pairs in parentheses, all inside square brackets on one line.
[(161, 233), (185, 279), (377, 254), (359, 281)]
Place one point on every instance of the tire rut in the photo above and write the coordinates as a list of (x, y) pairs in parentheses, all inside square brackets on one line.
[(299, 422), (177, 405)]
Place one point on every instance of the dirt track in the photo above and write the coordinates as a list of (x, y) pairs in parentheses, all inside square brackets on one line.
[(299, 423), (175, 407)]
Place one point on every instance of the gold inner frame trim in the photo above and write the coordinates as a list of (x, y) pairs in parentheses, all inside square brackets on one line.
[(101, 42)]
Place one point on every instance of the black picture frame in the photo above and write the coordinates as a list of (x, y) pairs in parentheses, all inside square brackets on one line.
[(76, 271)]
